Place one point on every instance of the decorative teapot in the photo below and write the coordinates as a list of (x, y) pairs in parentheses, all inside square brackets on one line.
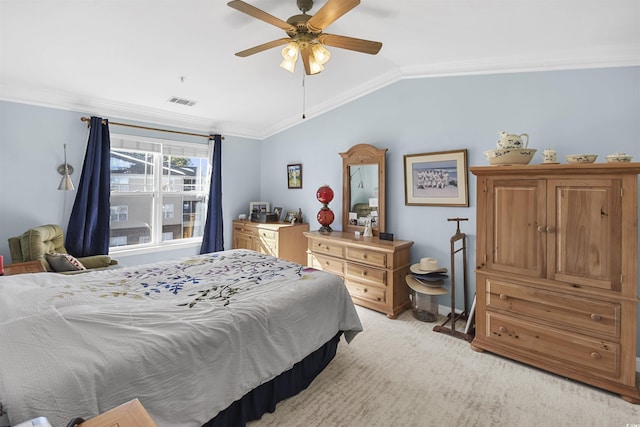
[(510, 140)]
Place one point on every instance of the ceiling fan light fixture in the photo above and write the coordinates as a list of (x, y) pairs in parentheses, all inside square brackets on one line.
[(289, 56), (320, 53), (290, 51), (314, 66), (288, 64)]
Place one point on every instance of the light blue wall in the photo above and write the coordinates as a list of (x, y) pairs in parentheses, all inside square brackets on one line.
[(586, 111), (31, 148), (595, 111)]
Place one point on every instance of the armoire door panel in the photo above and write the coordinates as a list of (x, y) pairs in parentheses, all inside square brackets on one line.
[(516, 243), (585, 234)]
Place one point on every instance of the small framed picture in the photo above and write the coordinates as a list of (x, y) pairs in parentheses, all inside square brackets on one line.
[(278, 212), (291, 216), (258, 207), (294, 175)]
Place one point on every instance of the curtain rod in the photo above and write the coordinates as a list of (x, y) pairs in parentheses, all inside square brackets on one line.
[(88, 120)]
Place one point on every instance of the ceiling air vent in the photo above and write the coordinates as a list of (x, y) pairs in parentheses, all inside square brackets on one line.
[(182, 101)]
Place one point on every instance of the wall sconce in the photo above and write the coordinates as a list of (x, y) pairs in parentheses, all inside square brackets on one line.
[(65, 170)]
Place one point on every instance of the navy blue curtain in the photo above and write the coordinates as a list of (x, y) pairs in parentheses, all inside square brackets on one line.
[(88, 230), (213, 239)]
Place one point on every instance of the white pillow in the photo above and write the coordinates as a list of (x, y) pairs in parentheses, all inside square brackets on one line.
[(64, 262)]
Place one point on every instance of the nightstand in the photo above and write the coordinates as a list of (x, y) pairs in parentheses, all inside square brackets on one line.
[(24, 267)]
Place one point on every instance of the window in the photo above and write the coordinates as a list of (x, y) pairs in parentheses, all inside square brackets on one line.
[(119, 213), (159, 191)]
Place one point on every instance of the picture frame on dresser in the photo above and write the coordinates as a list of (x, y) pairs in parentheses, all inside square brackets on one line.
[(290, 216), (259, 207), (294, 175), (278, 212), (436, 179)]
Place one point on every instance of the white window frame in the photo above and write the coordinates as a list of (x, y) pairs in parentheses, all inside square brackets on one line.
[(146, 144)]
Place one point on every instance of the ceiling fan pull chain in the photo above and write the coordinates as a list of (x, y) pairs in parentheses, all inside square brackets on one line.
[(304, 97)]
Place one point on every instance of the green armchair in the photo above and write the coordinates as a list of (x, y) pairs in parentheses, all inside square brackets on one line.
[(36, 243)]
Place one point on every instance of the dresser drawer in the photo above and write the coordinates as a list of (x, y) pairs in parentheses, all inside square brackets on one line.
[(269, 247), (366, 291), (554, 346), (367, 274), (329, 264), (568, 312), (378, 259), (322, 247), (268, 234), (244, 227)]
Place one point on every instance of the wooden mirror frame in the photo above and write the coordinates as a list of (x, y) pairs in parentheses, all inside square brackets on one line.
[(363, 154)]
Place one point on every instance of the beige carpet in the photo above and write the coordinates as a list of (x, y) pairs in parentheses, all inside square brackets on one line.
[(401, 373)]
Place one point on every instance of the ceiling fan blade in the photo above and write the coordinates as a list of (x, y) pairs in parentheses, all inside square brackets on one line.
[(332, 10), (260, 14), (343, 42), (260, 48), (305, 52)]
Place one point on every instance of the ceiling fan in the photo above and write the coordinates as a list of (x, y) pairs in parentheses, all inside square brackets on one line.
[(305, 34)]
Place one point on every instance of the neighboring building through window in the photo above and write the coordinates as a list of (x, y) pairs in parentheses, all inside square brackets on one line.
[(119, 213), (159, 190)]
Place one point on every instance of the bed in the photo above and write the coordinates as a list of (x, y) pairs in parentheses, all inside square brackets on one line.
[(215, 339)]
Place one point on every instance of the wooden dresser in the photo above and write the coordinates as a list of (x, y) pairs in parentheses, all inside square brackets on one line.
[(281, 240), (556, 275), (24, 267), (373, 270)]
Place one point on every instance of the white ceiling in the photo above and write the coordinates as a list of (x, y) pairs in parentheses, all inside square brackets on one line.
[(124, 58)]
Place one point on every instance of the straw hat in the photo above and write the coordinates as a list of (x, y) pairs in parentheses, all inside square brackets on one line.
[(419, 287), (427, 266)]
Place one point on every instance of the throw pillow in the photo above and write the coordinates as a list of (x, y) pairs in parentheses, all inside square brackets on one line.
[(64, 262)]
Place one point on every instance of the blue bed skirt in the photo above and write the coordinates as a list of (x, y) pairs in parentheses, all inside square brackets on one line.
[(265, 397)]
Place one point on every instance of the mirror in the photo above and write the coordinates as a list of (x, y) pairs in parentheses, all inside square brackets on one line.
[(363, 188)]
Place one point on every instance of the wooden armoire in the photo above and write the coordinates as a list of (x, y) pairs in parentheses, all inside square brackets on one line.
[(557, 269)]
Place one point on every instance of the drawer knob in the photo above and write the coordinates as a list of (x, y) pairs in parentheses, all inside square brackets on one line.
[(595, 355), (504, 297), (595, 317), (364, 273), (502, 329)]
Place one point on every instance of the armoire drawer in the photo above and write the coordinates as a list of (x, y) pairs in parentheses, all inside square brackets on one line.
[(378, 259), (551, 345), (366, 291), (567, 311), (366, 274), (322, 247)]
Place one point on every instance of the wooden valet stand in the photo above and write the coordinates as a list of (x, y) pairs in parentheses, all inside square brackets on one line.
[(453, 317)]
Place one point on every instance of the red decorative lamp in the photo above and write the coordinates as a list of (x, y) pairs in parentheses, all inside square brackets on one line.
[(325, 215)]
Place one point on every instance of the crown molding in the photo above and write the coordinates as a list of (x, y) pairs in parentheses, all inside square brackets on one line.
[(607, 57)]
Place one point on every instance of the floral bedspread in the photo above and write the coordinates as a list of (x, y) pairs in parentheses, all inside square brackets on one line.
[(187, 337)]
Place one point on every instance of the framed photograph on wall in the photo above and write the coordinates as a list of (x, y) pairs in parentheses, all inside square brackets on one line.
[(294, 175), (436, 179)]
